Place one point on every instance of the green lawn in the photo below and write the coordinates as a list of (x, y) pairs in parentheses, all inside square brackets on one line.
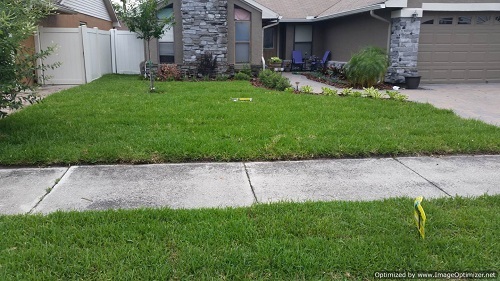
[(115, 120), (286, 241)]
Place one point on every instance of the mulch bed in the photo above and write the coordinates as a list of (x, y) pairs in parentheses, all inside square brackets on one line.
[(381, 86)]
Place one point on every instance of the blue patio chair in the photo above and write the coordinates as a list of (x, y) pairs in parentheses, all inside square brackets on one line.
[(324, 60), (297, 60), (320, 63)]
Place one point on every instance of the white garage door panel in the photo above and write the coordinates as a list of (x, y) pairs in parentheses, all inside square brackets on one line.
[(459, 53)]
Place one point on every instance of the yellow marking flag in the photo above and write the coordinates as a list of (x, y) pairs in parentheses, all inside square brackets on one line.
[(242, 99), (420, 215)]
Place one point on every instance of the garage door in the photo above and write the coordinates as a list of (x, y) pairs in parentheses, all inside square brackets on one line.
[(459, 47)]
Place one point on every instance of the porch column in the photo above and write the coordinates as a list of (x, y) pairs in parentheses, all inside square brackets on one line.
[(403, 54)]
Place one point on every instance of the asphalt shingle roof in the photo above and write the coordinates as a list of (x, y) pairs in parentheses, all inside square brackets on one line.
[(300, 9)]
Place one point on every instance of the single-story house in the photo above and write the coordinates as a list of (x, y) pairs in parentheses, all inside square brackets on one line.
[(74, 13), (444, 41)]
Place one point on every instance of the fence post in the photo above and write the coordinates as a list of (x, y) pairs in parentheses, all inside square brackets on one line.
[(87, 62), (113, 50)]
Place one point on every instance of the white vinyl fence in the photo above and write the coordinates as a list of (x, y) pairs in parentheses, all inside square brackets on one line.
[(86, 54), (128, 52)]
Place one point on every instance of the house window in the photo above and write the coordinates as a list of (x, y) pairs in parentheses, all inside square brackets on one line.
[(242, 20), (447, 20), (482, 19), (464, 20), (166, 42), (269, 38), (431, 21), (303, 39)]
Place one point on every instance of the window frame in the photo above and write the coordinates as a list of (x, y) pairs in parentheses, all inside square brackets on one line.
[(295, 42), (272, 38), (242, 42), (170, 58)]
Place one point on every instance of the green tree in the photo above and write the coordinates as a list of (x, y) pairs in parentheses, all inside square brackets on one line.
[(18, 21), (141, 17)]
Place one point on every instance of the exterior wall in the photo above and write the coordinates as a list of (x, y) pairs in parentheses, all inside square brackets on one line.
[(403, 54), (178, 46), (256, 34), (347, 35), (95, 8), (63, 20), (418, 3), (204, 29), (290, 38), (318, 46)]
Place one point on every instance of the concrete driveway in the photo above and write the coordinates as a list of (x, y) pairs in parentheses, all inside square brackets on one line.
[(476, 101)]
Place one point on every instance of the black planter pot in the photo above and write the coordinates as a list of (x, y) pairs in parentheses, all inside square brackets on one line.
[(412, 82)]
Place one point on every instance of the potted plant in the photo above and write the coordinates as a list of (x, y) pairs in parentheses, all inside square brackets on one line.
[(275, 62), (412, 80)]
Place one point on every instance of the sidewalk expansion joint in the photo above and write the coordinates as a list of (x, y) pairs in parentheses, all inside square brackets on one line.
[(250, 183), (429, 181), (48, 191)]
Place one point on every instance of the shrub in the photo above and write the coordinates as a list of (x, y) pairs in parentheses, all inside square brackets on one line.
[(373, 93), (346, 92), (273, 80), (401, 97), (367, 67), (356, 94), (392, 94), (335, 72), (275, 60), (306, 89), (169, 72), (207, 65), (395, 95), (242, 76), (222, 77), (328, 91), (247, 70)]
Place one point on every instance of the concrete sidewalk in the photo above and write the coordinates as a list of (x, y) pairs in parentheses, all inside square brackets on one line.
[(200, 185)]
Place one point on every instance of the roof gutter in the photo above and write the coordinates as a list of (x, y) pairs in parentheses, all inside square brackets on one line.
[(338, 15), (375, 16)]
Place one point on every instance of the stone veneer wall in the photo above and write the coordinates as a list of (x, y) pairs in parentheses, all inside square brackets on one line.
[(204, 28), (403, 54)]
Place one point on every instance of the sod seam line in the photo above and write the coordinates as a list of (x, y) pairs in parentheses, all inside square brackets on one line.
[(250, 183), (47, 193), (429, 181)]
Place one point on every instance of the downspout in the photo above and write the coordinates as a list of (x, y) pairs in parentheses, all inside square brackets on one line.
[(263, 29), (375, 16)]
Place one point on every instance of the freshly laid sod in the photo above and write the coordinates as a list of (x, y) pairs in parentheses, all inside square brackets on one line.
[(286, 241), (115, 120)]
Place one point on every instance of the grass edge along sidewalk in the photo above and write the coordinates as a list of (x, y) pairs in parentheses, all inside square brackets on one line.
[(282, 241), (114, 120)]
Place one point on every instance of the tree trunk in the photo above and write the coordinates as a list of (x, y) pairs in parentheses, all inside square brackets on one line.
[(151, 77)]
